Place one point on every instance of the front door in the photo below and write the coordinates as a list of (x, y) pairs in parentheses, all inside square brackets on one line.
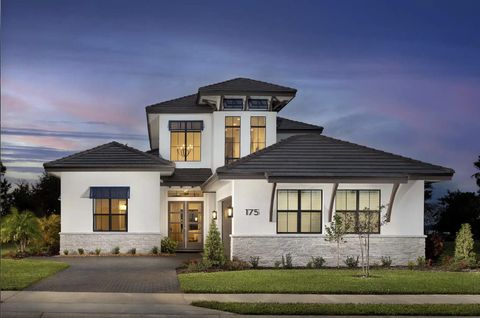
[(185, 224)]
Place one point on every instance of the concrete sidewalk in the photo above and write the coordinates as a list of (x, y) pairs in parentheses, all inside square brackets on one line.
[(88, 304)]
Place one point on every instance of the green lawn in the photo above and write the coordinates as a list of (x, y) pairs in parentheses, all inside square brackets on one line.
[(332, 281), (344, 309), (18, 274)]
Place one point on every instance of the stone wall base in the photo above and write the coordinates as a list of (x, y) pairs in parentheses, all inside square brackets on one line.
[(143, 242), (401, 249)]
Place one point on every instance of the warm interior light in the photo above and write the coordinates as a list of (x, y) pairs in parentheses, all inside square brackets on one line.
[(230, 212), (214, 215), (122, 207)]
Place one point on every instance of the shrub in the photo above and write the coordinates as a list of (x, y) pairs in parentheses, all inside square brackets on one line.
[(81, 251), (213, 250), (316, 262), (21, 228), (287, 261), (116, 250), (97, 251), (351, 261), (155, 250), (198, 266), (235, 265), (277, 264), (411, 265), (434, 246), (132, 251), (168, 245), (50, 229), (386, 261), (464, 249), (421, 262), (65, 252), (254, 261)]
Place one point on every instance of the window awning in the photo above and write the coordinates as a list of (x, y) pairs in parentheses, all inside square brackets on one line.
[(109, 192)]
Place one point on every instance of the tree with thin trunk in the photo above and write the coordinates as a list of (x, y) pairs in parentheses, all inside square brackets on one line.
[(336, 232)]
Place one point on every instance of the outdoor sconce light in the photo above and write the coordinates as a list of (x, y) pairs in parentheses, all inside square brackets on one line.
[(214, 215), (230, 212)]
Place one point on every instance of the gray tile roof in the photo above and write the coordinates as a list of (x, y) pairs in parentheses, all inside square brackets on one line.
[(187, 177), (318, 157), (238, 85), (185, 104), (112, 156), (286, 125)]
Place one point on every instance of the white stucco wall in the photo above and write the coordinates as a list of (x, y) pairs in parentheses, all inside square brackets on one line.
[(406, 219), (143, 205)]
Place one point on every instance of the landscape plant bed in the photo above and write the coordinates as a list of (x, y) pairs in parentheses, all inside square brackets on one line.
[(19, 274), (344, 309), (116, 255), (332, 281)]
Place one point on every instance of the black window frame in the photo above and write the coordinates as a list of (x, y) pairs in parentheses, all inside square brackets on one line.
[(237, 106), (299, 211), (229, 160), (186, 126), (264, 127), (357, 210), (110, 214), (252, 101)]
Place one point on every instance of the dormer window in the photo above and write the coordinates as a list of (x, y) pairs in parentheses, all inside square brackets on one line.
[(233, 104), (257, 104)]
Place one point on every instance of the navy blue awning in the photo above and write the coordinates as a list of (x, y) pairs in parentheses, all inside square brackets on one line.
[(109, 192)]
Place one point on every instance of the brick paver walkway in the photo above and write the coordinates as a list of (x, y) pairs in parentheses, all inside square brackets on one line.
[(122, 274)]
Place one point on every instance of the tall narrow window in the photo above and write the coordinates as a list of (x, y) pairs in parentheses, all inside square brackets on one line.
[(299, 211), (110, 208), (185, 140), (359, 209), (232, 138), (257, 133)]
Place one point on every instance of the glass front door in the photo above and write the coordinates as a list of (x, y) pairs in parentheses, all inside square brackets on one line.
[(185, 224)]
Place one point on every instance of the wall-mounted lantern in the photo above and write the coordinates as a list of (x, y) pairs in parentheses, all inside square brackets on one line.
[(214, 215), (230, 212)]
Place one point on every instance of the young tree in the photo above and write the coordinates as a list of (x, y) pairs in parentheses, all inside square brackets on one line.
[(366, 226), (5, 193), (464, 250), (213, 250), (336, 233), (21, 228)]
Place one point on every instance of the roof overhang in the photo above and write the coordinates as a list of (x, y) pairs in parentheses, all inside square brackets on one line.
[(109, 168)]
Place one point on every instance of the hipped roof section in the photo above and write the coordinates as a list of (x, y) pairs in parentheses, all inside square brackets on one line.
[(112, 156)]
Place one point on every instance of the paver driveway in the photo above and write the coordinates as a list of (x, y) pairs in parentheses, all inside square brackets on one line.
[(122, 274)]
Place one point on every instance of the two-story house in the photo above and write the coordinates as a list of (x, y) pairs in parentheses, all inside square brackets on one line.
[(271, 184)]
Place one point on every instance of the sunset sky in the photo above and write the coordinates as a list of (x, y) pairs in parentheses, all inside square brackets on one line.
[(402, 76)]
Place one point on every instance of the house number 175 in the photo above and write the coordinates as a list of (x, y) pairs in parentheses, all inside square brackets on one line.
[(252, 211)]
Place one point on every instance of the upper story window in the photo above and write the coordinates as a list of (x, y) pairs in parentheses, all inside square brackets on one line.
[(110, 208), (233, 104), (299, 211), (232, 138), (257, 133), (359, 209), (257, 104), (185, 140)]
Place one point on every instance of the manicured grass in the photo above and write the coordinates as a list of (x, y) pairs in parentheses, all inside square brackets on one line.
[(332, 281), (18, 274), (344, 309)]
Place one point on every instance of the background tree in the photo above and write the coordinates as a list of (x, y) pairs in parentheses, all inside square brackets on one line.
[(5, 193), (22, 196), (477, 174), (458, 208), (45, 195)]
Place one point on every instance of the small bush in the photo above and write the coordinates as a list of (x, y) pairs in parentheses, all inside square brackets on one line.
[(421, 262), (277, 264), (132, 251), (65, 252), (316, 262), (235, 265), (287, 261), (198, 266), (386, 261), (81, 251), (411, 265), (155, 250), (116, 250), (458, 265), (213, 249), (97, 251), (434, 246), (254, 261), (464, 246), (168, 245), (351, 261)]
